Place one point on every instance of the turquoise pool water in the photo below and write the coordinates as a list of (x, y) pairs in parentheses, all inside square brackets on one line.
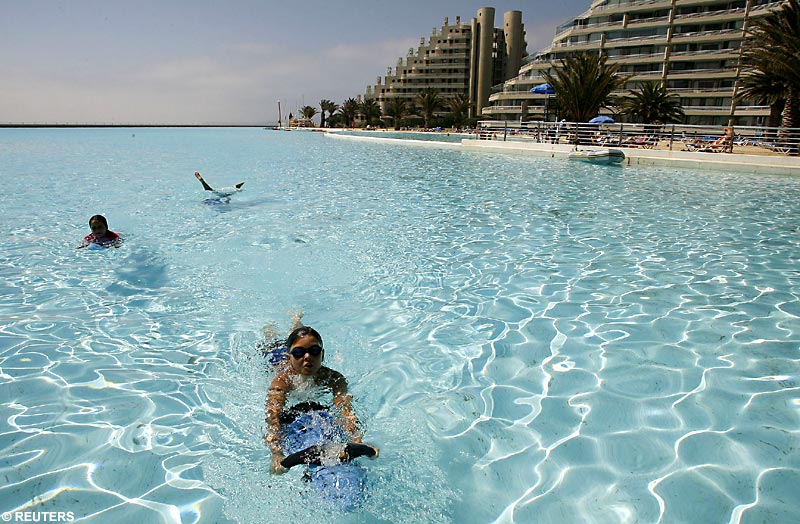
[(527, 340), (412, 135)]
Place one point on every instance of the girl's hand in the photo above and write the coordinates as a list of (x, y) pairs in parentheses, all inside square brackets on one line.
[(377, 451)]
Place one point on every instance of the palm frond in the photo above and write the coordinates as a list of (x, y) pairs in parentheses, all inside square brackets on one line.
[(652, 103), (583, 84)]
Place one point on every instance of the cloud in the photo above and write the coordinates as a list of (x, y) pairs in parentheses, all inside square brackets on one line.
[(238, 84), (369, 52)]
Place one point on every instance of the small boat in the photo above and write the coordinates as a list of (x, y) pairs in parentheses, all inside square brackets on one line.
[(598, 156)]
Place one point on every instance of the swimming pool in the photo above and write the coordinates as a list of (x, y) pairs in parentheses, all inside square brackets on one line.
[(527, 340), (412, 135)]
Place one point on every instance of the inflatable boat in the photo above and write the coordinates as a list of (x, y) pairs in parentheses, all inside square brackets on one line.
[(598, 156)]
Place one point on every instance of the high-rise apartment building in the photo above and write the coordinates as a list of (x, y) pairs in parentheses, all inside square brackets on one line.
[(458, 59), (692, 47)]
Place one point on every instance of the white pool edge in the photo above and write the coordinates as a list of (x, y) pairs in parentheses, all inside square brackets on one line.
[(760, 164)]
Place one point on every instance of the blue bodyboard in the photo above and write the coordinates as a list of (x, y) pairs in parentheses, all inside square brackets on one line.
[(340, 486)]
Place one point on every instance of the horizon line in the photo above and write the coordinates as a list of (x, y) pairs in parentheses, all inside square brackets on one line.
[(86, 124)]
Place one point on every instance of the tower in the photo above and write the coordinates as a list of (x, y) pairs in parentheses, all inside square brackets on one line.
[(481, 54)]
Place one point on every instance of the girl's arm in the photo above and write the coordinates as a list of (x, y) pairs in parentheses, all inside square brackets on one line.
[(276, 399), (85, 241), (344, 402), (347, 416)]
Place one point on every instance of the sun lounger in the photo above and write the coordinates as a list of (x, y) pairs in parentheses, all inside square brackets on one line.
[(721, 145), (643, 141), (782, 149)]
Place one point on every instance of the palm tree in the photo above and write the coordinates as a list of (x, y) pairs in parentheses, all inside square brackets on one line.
[(308, 112), (459, 108), (583, 85), (396, 109), (370, 110), (349, 111), (653, 103), (763, 88), (774, 50), (335, 118), (428, 101), (326, 106)]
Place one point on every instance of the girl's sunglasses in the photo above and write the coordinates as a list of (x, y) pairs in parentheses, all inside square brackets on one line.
[(299, 352)]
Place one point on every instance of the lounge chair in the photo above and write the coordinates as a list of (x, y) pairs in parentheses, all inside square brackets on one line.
[(782, 149), (720, 145), (602, 140), (642, 141)]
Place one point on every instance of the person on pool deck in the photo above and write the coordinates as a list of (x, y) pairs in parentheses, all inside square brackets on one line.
[(303, 371), (100, 235), (223, 192)]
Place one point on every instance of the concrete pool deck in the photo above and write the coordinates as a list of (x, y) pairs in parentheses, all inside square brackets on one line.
[(746, 163), (736, 162)]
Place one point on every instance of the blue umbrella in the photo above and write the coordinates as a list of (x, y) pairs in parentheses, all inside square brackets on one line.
[(543, 89), (602, 119)]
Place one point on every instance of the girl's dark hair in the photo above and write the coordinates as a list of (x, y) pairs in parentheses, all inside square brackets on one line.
[(303, 331), (101, 218)]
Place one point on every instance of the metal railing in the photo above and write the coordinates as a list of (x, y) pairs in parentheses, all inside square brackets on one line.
[(679, 18), (670, 137), (628, 3), (726, 51), (715, 33)]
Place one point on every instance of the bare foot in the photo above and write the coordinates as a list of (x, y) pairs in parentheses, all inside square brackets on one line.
[(270, 332), (297, 316)]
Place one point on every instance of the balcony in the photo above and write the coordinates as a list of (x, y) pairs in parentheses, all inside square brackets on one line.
[(637, 59), (644, 76), (707, 36), (438, 66), (517, 95), (706, 54), (434, 76), (441, 86), (578, 46), (449, 44), (626, 41), (644, 22), (725, 72), (634, 6), (753, 109), (525, 80), (533, 60), (707, 110), (590, 28), (438, 55), (631, 6), (710, 16), (694, 92), (496, 110), (445, 56)]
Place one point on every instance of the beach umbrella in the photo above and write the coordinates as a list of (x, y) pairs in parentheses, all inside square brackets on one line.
[(602, 119), (543, 89)]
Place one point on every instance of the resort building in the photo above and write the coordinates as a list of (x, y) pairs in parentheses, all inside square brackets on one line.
[(456, 59), (692, 47)]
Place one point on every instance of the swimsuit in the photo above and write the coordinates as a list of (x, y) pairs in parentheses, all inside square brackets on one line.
[(110, 239)]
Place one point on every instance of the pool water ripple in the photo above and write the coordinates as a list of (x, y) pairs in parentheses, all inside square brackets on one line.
[(526, 339)]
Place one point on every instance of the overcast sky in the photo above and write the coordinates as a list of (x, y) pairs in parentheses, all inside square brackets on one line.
[(213, 61)]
